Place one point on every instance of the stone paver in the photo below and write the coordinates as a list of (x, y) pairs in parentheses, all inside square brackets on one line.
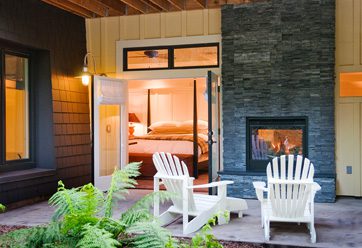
[(337, 224)]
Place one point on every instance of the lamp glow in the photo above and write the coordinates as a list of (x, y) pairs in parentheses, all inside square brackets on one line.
[(86, 75), (85, 80)]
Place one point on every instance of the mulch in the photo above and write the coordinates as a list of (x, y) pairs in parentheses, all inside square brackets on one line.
[(5, 229), (227, 244), (233, 244)]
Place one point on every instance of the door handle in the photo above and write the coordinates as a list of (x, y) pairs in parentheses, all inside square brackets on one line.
[(210, 142), (108, 128)]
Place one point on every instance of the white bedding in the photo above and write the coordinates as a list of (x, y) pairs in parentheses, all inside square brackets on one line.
[(171, 146)]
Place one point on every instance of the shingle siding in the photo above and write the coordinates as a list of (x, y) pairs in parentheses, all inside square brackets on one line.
[(33, 23)]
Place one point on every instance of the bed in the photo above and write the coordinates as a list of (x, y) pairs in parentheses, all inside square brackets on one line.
[(186, 139), (176, 138)]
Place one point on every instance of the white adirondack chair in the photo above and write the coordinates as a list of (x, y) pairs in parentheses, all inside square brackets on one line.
[(175, 177), (290, 193)]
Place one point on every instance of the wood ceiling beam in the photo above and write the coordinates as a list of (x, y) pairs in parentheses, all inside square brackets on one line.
[(163, 4), (115, 6), (179, 4), (151, 5), (202, 3), (70, 7), (138, 5), (93, 6)]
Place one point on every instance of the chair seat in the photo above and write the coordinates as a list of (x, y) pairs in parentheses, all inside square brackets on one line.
[(266, 205), (205, 202), (236, 204), (303, 219)]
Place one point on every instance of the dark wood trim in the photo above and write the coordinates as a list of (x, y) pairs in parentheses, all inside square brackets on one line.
[(148, 169), (195, 135), (148, 110), (2, 109), (21, 175), (210, 132), (13, 49), (91, 97), (170, 57)]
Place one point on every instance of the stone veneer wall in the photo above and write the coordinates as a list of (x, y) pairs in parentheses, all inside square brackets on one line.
[(278, 60)]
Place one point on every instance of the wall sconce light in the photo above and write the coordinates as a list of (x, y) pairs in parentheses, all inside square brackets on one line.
[(86, 75)]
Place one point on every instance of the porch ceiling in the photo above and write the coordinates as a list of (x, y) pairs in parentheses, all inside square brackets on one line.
[(102, 8)]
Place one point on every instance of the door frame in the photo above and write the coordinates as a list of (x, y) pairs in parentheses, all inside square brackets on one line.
[(209, 81)]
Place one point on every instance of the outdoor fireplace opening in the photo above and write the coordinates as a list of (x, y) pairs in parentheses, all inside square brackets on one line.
[(272, 137)]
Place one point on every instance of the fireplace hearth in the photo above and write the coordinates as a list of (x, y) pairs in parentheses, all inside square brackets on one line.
[(267, 138)]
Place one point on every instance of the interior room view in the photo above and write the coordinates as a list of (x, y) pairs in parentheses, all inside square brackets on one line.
[(161, 119), (161, 116)]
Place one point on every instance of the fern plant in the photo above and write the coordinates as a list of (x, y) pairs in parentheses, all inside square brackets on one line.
[(95, 237), (83, 218), (121, 181), (2, 208), (149, 234)]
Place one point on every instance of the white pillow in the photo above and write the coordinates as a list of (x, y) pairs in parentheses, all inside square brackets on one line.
[(164, 124), (201, 125)]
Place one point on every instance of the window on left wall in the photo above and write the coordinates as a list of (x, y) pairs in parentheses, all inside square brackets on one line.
[(16, 129), (16, 77)]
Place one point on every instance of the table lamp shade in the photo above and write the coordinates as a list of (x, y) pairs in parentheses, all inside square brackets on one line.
[(132, 117)]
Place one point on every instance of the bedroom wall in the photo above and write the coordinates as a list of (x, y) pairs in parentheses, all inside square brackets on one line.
[(102, 33), (167, 104)]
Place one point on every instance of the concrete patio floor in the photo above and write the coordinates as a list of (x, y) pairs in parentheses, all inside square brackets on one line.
[(337, 224)]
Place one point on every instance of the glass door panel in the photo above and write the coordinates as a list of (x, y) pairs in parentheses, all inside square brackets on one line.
[(213, 129), (16, 107), (110, 128), (109, 119)]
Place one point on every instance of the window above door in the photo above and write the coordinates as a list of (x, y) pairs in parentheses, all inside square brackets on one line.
[(188, 56)]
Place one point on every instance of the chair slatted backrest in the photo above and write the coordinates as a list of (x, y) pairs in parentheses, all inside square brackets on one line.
[(168, 165), (289, 185)]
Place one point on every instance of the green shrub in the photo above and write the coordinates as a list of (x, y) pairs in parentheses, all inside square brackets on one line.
[(2, 208), (83, 218), (204, 238)]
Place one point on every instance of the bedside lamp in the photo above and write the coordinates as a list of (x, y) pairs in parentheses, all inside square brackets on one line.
[(132, 118)]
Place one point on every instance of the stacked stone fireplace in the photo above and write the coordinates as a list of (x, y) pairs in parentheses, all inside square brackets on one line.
[(270, 137), (278, 65)]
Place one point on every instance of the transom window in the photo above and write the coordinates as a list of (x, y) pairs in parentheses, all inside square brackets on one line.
[(171, 57)]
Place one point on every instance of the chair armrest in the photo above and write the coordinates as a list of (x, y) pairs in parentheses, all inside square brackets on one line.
[(210, 185), (260, 185), (181, 178), (316, 187), (259, 190)]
